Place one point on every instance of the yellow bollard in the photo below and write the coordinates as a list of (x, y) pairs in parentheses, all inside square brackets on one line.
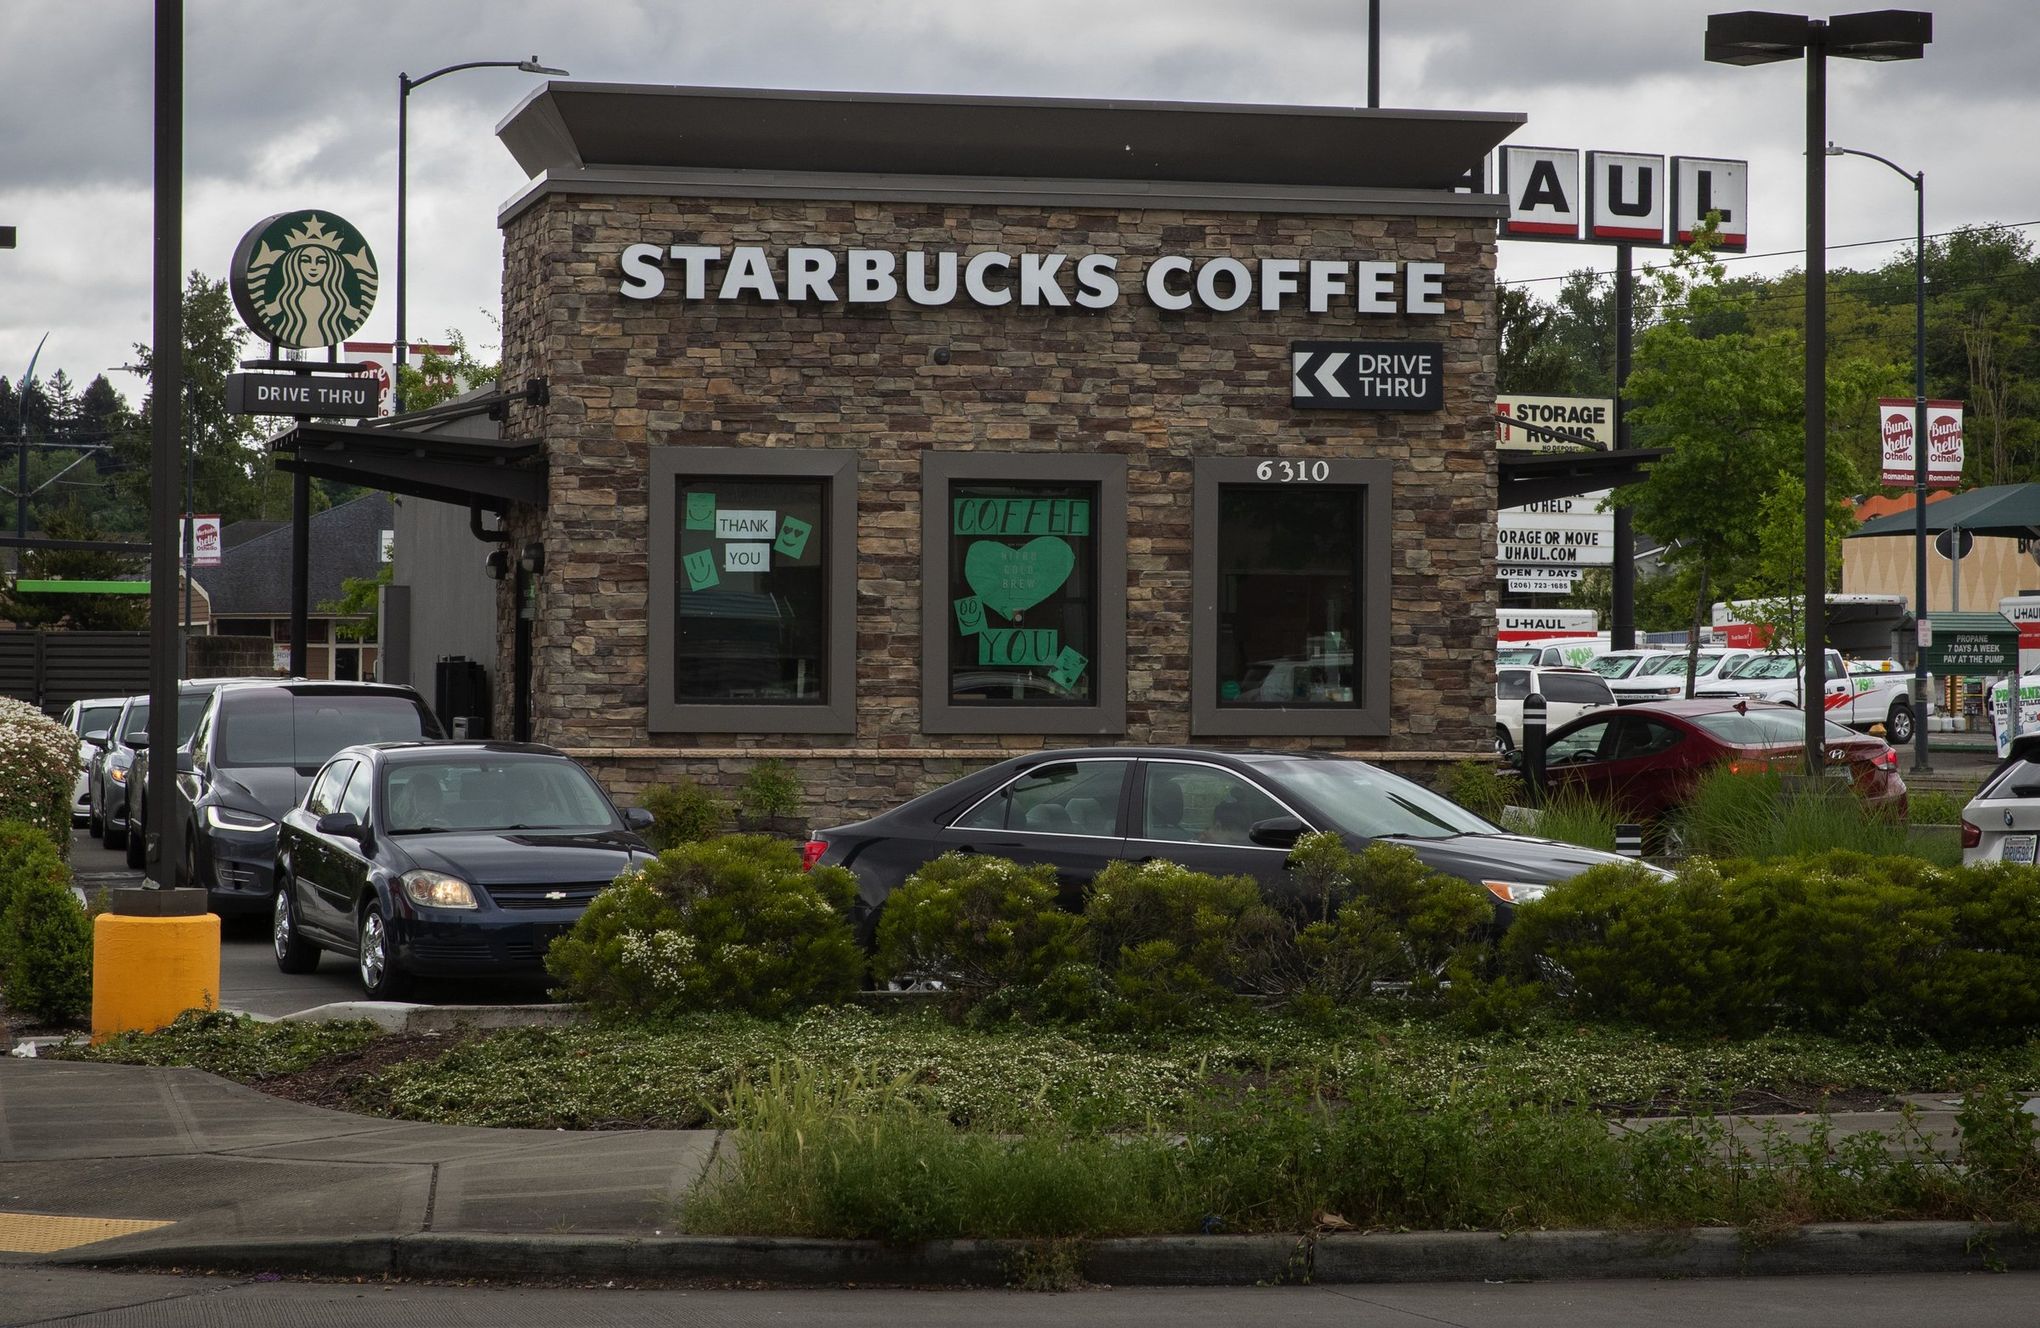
[(154, 957)]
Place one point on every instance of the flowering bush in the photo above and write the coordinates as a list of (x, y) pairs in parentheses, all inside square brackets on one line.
[(38, 766), (726, 924), (978, 923)]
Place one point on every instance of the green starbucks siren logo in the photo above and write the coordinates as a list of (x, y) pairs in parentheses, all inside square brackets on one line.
[(304, 279)]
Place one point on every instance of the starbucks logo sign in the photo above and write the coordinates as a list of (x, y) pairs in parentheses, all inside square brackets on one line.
[(304, 279)]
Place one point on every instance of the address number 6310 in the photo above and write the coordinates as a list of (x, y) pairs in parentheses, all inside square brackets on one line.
[(1294, 472)]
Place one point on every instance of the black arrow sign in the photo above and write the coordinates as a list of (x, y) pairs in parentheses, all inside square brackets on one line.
[(1367, 375)]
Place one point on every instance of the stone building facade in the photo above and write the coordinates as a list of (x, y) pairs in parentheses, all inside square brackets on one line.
[(1161, 395)]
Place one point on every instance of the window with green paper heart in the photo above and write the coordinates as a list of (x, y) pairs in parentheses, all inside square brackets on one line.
[(1023, 592), (751, 593)]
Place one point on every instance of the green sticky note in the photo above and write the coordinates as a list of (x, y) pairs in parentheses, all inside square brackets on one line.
[(970, 615), (793, 536), (1010, 580), (1069, 666), (701, 569), (700, 511)]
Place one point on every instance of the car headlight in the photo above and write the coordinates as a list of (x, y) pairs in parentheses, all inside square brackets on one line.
[(437, 890), (227, 818), (117, 773), (1517, 892)]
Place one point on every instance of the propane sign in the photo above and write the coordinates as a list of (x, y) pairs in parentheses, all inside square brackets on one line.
[(1944, 442)]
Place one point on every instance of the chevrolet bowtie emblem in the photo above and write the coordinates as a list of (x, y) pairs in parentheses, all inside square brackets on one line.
[(556, 894)]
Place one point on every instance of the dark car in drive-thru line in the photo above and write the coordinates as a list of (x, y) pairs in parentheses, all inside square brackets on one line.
[(444, 858), (1646, 759), (120, 765), (251, 759), (1223, 812)]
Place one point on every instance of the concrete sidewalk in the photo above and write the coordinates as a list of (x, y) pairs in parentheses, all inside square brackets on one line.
[(177, 1168)]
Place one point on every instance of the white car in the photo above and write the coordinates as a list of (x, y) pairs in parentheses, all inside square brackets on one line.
[(1662, 677), (1567, 693), (1623, 670), (92, 715), (1776, 677), (2002, 822)]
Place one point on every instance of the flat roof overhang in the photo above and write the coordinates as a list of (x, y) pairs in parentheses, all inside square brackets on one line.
[(466, 472), (594, 137), (1542, 476)]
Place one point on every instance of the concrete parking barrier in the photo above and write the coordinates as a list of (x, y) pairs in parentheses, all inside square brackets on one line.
[(155, 954)]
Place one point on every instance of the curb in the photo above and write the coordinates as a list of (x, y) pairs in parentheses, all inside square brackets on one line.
[(1898, 1247)]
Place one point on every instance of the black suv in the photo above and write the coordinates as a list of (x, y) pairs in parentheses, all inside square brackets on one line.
[(120, 770), (252, 757)]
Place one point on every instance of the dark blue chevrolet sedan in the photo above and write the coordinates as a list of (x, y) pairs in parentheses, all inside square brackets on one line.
[(443, 858)]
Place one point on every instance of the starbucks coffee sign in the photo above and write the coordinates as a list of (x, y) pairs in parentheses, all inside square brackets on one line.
[(304, 279)]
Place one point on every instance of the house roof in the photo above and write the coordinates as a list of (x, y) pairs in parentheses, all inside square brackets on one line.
[(254, 576)]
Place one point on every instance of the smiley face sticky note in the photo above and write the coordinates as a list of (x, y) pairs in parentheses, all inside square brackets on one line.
[(700, 567), (970, 615), (700, 511), (1069, 666), (793, 538)]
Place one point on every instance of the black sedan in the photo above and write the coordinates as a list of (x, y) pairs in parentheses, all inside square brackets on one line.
[(442, 858), (1227, 813)]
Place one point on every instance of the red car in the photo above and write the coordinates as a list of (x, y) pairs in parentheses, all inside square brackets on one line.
[(1645, 759)]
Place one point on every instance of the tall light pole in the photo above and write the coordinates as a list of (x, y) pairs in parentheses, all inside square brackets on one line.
[(1918, 180), (1756, 38), (404, 85)]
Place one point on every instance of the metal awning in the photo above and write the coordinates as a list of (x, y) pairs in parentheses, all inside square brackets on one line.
[(1536, 477), (2010, 511), (418, 463)]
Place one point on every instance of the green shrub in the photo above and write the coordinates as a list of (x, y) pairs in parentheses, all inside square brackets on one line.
[(728, 924), (1482, 787), (25, 854), (980, 923), (683, 812), (46, 946), (1173, 941), (771, 790), (40, 766)]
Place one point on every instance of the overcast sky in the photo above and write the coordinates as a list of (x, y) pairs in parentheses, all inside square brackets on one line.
[(292, 106)]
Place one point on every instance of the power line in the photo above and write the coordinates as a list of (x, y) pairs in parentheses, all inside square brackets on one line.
[(1787, 253)]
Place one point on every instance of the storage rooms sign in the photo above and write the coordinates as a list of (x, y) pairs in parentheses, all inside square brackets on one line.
[(1542, 547)]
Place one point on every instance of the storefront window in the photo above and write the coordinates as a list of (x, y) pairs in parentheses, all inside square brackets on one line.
[(751, 621), (1290, 615), (1289, 595), (1024, 617), (752, 605), (1023, 593)]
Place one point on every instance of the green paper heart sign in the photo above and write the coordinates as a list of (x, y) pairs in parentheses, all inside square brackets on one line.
[(1010, 580)]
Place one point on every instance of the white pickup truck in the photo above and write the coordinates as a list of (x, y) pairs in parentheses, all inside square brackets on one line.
[(1872, 692)]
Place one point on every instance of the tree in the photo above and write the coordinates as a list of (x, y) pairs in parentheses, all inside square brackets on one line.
[(230, 470), (439, 378), (358, 602), (83, 612)]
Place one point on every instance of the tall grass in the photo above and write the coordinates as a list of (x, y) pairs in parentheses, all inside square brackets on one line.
[(1757, 815), (813, 1159), (1574, 817)]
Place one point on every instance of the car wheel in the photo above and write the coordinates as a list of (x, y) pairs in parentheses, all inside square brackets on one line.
[(94, 825), (381, 979), (1504, 744), (294, 954), (187, 866), (1898, 729), (136, 839), (111, 835)]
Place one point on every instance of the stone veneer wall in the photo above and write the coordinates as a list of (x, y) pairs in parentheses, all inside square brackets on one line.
[(1161, 388)]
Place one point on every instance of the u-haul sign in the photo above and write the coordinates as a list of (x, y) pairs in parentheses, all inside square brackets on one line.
[(1622, 197)]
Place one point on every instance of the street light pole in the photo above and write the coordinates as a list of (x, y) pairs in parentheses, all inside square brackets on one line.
[(1756, 38), (1918, 180), (405, 83)]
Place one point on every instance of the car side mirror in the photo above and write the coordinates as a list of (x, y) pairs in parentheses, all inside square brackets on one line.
[(185, 764), (342, 825), (1276, 832), (97, 738), (637, 818), (138, 741)]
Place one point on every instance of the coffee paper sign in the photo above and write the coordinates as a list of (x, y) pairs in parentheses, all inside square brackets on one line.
[(747, 557), (700, 567), (1010, 580), (1069, 666), (970, 615), (700, 511), (739, 524), (793, 537)]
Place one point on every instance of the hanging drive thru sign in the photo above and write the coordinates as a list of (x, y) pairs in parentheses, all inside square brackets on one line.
[(324, 396), (1367, 375)]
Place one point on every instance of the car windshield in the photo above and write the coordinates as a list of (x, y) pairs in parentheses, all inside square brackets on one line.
[(1524, 656), (190, 709), (1371, 803), (96, 718), (492, 791), (1767, 728), (273, 727), (1677, 664), (1615, 666), (1767, 666)]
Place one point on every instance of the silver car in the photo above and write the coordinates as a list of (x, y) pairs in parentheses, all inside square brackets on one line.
[(92, 715), (2002, 822)]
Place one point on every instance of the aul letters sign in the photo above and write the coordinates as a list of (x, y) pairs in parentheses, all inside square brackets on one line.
[(1944, 442), (1625, 198), (336, 395), (1367, 375)]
